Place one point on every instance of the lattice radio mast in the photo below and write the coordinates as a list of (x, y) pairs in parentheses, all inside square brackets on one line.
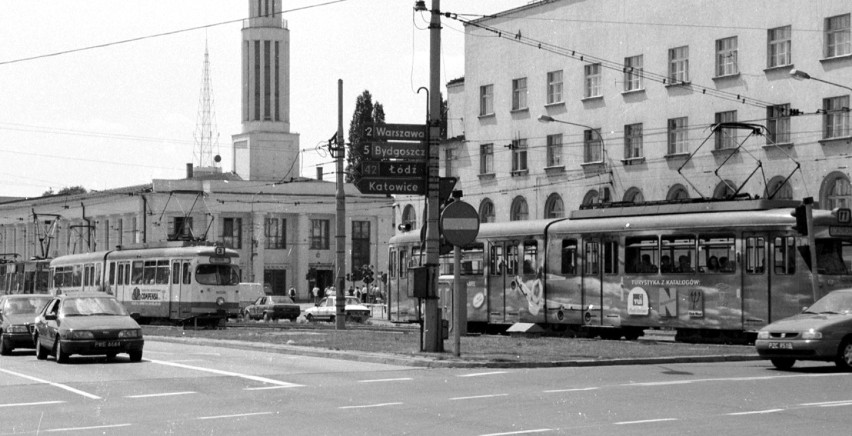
[(206, 132)]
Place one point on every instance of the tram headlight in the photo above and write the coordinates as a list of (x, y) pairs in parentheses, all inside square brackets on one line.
[(220, 301)]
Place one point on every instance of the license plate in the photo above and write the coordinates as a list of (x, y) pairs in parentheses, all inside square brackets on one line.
[(107, 344), (780, 345)]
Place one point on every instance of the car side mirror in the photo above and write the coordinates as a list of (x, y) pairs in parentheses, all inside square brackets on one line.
[(804, 309), (50, 316)]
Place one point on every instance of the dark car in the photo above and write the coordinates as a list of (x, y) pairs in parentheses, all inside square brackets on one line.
[(821, 332), (16, 318), (273, 307), (86, 324)]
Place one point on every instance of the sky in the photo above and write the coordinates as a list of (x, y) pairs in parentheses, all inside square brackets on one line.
[(126, 113)]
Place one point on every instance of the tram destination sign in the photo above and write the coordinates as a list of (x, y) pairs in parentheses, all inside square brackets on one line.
[(391, 186), (411, 151), (392, 169), (396, 132)]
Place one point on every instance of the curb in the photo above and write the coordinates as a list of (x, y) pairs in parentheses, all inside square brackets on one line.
[(443, 362)]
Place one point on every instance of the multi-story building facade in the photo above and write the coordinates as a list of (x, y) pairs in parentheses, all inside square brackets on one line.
[(568, 102)]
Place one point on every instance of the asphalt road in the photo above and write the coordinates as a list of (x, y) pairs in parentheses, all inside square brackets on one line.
[(188, 389)]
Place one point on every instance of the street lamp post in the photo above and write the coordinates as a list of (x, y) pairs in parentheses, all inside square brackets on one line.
[(801, 75)]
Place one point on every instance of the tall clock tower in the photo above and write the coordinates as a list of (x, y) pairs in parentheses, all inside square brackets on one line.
[(265, 149)]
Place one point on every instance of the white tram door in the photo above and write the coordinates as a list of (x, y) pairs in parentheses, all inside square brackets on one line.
[(179, 289), (756, 282), (502, 265), (592, 281), (121, 285)]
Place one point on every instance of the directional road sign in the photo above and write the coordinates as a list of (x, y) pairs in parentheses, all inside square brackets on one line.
[(395, 150), (396, 132), (391, 186), (459, 223), (393, 169)]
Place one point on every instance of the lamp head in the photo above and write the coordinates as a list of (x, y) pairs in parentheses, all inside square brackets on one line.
[(545, 118)]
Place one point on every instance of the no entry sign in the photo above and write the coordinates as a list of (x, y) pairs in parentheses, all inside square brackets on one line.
[(459, 223)]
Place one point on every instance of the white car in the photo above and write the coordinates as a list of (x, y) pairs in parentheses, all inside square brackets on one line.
[(326, 310)]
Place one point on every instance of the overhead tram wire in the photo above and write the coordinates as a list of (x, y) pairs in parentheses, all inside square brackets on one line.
[(157, 35), (612, 65)]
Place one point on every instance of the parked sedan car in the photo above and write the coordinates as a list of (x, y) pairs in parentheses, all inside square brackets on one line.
[(273, 307), (326, 310), (86, 324), (16, 317), (821, 332)]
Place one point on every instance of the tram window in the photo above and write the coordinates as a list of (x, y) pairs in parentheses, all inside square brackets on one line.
[(830, 258), (162, 277), (112, 273), (755, 257), (716, 253), (784, 255), (530, 253), (217, 275), (150, 272), (76, 276), (512, 259), (642, 254), (497, 262), (403, 262), (592, 259), (610, 257), (569, 256), (98, 274), (176, 273), (392, 263), (187, 274), (416, 255), (87, 275), (138, 269), (678, 254)]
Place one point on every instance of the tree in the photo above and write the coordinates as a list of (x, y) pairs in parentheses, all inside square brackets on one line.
[(366, 113), (68, 190)]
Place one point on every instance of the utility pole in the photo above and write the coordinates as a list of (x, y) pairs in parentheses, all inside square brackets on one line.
[(433, 336), (340, 219)]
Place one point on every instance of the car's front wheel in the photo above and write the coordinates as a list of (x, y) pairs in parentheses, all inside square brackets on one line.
[(135, 355), (61, 355), (309, 317), (844, 355), (41, 353), (5, 348), (783, 363)]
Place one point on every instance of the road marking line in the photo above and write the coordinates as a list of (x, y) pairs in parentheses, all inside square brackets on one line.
[(478, 397), (164, 394), (386, 380), (756, 412), (264, 388), (646, 421), (228, 373), (726, 379), (480, 374), (665, 383), (554, 391), (369, 406), (54, 384), (96, 427), (40, 403), (238, 415), (538, 430), (828, 403), (187, 360)]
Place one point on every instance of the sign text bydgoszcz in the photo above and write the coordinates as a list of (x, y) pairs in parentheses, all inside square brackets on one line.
[(394, 150)]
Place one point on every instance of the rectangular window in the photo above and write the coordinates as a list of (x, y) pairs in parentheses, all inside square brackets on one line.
[(360, 244), (784, 255), (320, 234), (610, 257), (232, 233), (257, 77), (519, 155), (496, 261), (726, 137), (592, 146), (716, 254), (837, 36), (519, 94), (486, 100), (591, 266), (755, 258), (835, 117), (780, 46), (677, 137), (530, 254), (277, 83), (449, 163), (633, 141), (569, 256), (678, 254), (642, 255), (778, 124), (726, 56), (181, 227), (554, 150), (267, 82), (486, 159), (592, 74), (275, 232), (679, 64), (633, 72), (554, 87)]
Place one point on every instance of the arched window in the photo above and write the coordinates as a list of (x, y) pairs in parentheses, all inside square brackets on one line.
[(634, 195), (835, 191), (554, 208), (520, 212), (591, 197), (677, 192), (723, 190), (409, 216), (486, 211), (780, 187)]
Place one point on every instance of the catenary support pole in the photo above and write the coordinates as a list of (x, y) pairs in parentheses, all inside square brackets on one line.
[(340, 219)]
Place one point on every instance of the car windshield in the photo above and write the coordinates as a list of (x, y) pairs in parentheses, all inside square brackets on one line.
[(834, 302), (352, 300), (217, 275), (86, 306), (280, 299), (18, 306)]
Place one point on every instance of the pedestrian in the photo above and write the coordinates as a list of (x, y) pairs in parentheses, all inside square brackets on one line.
[(315, 294), (292, 293)]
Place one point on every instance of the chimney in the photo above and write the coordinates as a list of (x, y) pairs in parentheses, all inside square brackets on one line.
[(319, 173), (189, 171)]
